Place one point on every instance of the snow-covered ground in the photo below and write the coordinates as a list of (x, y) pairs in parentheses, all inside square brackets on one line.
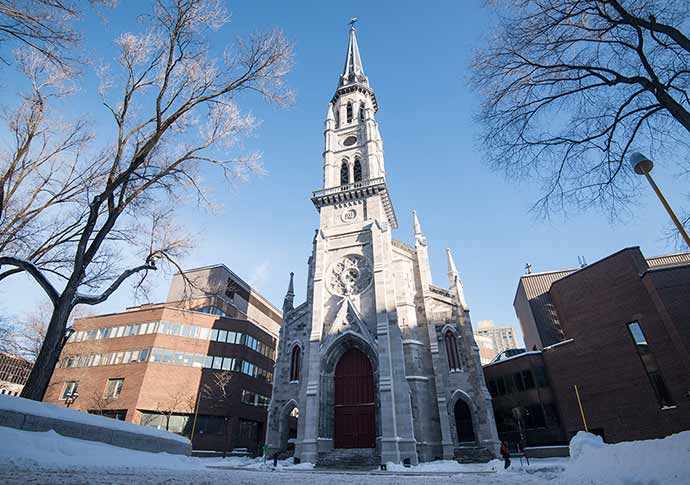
[(27, 457)]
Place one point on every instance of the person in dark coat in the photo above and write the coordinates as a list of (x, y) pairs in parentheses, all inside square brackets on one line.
[(505, 453)]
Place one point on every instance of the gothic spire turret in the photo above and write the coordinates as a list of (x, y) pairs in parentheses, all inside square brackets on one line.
[(454, 280), (353, 78), (288, 302), (353, 72), (417, 225)]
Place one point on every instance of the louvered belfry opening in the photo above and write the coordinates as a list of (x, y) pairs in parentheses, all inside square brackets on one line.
[(354, 402)]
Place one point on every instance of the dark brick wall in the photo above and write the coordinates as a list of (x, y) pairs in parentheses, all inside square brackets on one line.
[(595, 305)]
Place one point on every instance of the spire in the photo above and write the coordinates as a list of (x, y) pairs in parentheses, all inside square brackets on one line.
[(289, 296), (353, 72), (452, 269), (415, 222), (454, 280)]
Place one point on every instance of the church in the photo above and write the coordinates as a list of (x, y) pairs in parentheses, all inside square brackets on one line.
[(378, 364)]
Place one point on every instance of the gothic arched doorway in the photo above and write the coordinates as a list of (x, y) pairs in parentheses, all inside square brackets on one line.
[(463, 422), (354, 402)]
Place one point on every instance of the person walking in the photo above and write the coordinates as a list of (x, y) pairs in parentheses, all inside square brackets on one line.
[(505, 453)]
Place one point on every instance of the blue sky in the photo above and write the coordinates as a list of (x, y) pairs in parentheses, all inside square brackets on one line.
[(416, 56)]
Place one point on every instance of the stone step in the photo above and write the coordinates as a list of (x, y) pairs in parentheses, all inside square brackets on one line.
[(349, 458), (473, 454)]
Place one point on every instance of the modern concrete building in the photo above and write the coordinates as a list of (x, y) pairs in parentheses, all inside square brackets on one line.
[(381, 363), (503, 336), (619, 344), (200, 364), (14, 371)]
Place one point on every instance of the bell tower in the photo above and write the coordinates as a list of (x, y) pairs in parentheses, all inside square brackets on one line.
[(353, 148)]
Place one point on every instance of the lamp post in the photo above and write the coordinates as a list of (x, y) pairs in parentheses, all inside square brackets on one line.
[(642, 165)]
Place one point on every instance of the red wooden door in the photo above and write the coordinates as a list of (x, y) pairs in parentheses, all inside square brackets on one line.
[(354, 402)]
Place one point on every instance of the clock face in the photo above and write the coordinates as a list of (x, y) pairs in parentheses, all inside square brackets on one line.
[(350, 140)]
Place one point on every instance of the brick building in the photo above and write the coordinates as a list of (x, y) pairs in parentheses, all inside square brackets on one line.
[(619, 330), (14, 371), (207, 352)]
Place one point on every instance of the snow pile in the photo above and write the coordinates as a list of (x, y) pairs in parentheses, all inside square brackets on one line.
[(36, 408), (28, 450), (448, 466), (653, 462)]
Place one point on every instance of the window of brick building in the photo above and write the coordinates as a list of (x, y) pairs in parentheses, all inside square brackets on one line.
[(528, 379), (663, 396), (69, 389), (114, 388)]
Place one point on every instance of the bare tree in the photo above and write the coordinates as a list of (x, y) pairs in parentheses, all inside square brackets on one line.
[(100, 402), (180, 402), (571, 87), (45, 26), (174, 110), (217, 393)]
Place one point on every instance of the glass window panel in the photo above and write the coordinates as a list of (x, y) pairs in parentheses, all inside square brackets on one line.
[(204, 333), (208, 361), (217, 362), (143, 355), (198, 360), (637, 333), (168, 356), (128, 357), (222, 335), (227, 363), (185, 330), (214, 334)]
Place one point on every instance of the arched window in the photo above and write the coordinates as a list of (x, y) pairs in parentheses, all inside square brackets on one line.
[(337, 119), (451, 350), (357, 171), (344, 173), (295, 363), (349, 112), (361, 112)]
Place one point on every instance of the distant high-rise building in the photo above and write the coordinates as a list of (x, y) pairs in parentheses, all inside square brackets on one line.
[(487, 348), (503, 337)]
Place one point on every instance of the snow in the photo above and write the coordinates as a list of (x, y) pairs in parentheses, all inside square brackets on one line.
[(37, 408), (28, 450), (661, 461), (47, 457)]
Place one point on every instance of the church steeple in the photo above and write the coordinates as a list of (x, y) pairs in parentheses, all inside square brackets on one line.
[(353, 72), (288, 302)]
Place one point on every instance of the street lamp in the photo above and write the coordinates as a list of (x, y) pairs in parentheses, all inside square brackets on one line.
[(642, 165)]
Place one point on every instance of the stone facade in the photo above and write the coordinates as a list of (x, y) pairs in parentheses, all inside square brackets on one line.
[(370, 292)]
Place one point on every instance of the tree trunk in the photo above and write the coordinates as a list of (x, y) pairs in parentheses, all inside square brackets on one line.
[(39, 378)]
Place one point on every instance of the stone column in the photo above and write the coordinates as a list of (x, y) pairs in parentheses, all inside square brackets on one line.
[(309, 442)]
